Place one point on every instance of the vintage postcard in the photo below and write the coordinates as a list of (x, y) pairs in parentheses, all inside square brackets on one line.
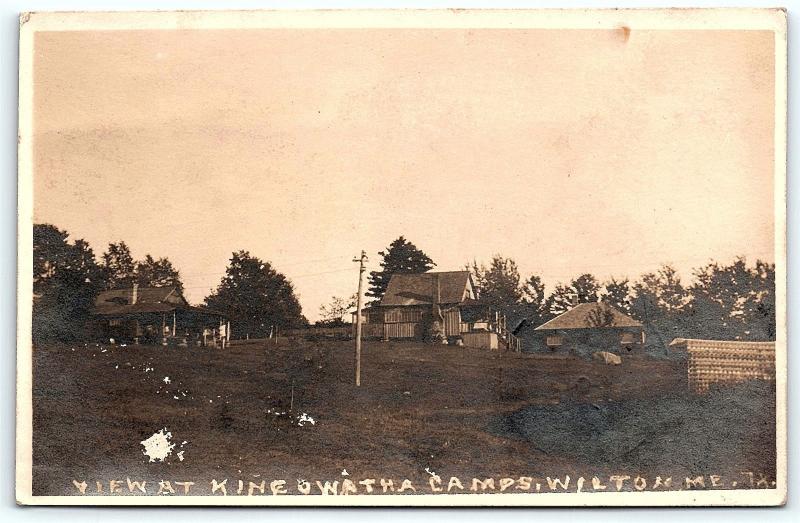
[(402, 258)]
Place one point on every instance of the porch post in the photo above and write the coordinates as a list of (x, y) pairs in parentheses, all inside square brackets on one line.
[(174, 323)]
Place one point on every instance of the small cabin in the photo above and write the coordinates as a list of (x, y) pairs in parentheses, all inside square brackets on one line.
[(596, 326)]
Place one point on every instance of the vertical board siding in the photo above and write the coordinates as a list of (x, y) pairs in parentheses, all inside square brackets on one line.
[(402, 315), (401, 330), (452, 322)]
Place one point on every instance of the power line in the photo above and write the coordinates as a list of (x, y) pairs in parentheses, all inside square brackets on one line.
[(289, 277), (274, 266)]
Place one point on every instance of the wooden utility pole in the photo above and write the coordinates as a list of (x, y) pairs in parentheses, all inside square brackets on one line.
[(361, 268)]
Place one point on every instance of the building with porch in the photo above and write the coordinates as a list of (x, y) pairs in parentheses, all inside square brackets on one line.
[(438, 307), (157, 315)]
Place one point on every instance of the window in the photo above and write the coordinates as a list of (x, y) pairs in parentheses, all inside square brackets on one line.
[(628, 338), (555, 341), (115, 323)]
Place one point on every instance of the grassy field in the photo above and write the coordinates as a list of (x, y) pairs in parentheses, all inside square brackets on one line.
[(238, 414)]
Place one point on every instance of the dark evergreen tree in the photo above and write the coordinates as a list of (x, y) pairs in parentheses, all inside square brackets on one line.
[(402, 256), (255, 297)]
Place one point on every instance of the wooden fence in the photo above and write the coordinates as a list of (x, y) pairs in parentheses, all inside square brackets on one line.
[(407, 330), (719, 362), (345, 332), (319, 332)]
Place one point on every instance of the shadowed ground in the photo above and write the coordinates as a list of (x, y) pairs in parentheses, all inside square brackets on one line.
[(455, 411)]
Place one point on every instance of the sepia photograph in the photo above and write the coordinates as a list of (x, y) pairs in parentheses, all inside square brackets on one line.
[(402, 257)]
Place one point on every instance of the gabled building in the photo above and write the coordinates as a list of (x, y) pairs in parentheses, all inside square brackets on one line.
[(435, 306), (155, 315), (597, 326)]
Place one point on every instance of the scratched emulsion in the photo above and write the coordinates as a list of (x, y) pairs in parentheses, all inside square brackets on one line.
[(158, 446)]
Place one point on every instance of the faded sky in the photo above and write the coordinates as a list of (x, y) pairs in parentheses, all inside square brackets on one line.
[(570, 151)]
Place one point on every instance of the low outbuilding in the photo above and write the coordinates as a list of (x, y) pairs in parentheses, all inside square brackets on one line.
[(593, 326)]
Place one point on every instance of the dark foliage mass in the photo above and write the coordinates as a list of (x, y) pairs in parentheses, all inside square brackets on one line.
[(256, 298), (734, 302), (401, 256), (66, 279), (120, 270), (160, 272)]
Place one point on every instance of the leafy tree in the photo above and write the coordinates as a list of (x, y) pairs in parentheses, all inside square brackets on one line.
[(760, 304), (402, 256), (158, 273), (333, 314), (733, 301), (617, 294), (659, 301), (534, 301), (119, 269), (66, 280), (499, 287), (583, 289), (255, 297)]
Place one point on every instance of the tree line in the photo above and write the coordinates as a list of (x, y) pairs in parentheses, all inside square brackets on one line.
[(723, 301), (67, 277)]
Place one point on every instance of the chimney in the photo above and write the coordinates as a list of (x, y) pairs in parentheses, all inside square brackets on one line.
[(574, 299), (135, 294)]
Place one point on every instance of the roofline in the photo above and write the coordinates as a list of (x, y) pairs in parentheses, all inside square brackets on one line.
[(119, 313), (431, 272), (191, 308), (544, 327), (172, 287)]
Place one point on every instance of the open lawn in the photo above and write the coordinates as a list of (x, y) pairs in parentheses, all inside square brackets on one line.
[(238, 414)]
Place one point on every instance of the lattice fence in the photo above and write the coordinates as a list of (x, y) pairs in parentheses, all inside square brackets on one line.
[(711, 362)]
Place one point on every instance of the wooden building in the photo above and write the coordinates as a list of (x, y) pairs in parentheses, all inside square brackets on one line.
[(594, 326), (159, 315), (436, 306)]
